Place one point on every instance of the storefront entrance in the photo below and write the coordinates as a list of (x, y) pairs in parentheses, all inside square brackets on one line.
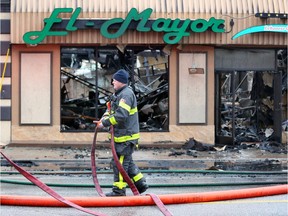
[(246, 106), (248, 102)]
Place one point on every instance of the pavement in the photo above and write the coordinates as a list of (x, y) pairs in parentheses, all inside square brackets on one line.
[(67, 159), (75, 158)]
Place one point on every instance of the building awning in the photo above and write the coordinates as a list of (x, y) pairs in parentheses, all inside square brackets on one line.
[(28, 15)]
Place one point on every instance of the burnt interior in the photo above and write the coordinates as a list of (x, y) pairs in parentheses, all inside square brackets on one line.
[(86, 84)]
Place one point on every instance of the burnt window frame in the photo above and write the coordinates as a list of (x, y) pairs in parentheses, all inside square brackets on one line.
[(134, 50)]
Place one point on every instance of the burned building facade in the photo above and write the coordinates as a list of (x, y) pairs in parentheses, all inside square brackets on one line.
[(211, 70)]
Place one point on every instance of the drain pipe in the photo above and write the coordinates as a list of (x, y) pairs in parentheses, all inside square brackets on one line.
[(145, 200)]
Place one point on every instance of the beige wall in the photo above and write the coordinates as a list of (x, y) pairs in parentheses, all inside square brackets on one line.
[(27, 16), (51, 133), (204, 133)]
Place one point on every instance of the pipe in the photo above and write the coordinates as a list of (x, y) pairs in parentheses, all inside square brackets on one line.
[(145, 200), (150, 185)]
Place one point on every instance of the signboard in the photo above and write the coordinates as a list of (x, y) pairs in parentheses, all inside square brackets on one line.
[(174, 30), (280, 28)]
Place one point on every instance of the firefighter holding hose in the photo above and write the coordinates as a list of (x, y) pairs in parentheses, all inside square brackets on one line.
[(122, 113)]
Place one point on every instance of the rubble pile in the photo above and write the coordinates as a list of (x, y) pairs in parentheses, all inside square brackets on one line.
[(192, 146)]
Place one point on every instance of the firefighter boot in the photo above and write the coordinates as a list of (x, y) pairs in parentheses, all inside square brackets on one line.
[(141, 185), (116, 192)]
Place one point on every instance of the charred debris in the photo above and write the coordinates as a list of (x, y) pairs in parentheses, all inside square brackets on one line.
[(193, 148), (86, 86), (245, 106), (252, 105)]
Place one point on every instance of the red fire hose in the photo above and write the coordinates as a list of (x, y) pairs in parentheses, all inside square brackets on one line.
[(126, 177), (67, 202), (145, 200), (93, 166), (48, 190), (81, 202)]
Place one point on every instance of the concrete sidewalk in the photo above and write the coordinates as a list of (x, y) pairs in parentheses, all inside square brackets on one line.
[(75, 158)]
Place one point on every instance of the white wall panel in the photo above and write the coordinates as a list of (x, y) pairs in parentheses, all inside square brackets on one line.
[(35, 88), (192, 89)]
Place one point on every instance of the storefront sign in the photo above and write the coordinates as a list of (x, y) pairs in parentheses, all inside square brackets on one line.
[(281, 28), (174, 30)]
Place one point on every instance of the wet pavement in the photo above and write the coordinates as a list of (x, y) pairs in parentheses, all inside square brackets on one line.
[(264, 206), (68, 171)]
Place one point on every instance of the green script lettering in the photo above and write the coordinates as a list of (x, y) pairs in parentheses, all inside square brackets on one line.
[(174, 30), (176, 33), (216, 24), (132, 15), (35, 37), (161, 25), (73, 19), (201, 25)]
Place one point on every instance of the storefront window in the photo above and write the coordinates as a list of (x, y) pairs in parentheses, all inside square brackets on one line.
[(86, 85), (248, 97)]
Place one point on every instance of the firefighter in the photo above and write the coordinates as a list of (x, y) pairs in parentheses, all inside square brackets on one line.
[(123, 115)]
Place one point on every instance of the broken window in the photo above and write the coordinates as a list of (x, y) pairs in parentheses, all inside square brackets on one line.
[(249, 105), (86, 75), (247, 111)]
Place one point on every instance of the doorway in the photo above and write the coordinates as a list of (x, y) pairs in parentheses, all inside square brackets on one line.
[(247, 106), (248, 88)]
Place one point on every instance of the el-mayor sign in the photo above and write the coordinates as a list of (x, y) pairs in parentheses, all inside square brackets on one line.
[(174, 30)]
